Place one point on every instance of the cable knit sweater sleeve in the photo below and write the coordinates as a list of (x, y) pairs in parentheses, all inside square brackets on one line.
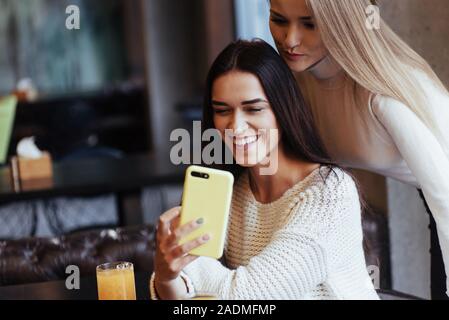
[(426, 158), (294, 262)]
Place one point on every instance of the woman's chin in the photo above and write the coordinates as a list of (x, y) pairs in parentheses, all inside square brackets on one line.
[(246, 162), (297, 67)]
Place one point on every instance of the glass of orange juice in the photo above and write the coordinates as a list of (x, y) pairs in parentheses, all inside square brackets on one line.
[(115, 281)]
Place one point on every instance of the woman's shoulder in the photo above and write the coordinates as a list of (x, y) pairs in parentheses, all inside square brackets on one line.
[(385, 106), (330, 188), (331, 198), (436, 96), (428, 83), (330, 179)]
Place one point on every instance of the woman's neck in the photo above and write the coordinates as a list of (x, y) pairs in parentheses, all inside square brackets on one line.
[(268, 188), (328, 73)]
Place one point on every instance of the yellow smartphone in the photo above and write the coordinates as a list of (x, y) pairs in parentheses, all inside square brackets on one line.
[(207, 194)]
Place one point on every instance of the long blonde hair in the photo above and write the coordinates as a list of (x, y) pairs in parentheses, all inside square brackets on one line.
[(376, 59)]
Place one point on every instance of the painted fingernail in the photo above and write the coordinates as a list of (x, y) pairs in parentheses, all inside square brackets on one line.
[(206, 237), (200, 221)]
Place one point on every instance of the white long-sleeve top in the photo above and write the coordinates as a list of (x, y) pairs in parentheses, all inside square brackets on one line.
[(382, 135), (305, 245)]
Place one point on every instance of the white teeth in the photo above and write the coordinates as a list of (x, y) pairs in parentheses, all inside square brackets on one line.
[(244, 141)]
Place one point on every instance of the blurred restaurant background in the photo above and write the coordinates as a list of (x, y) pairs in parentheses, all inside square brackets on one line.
[(103, 99)]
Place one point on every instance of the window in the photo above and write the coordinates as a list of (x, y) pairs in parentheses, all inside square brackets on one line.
[(252, 19)]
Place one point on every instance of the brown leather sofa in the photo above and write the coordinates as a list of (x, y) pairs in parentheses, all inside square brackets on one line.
[(44, 259)]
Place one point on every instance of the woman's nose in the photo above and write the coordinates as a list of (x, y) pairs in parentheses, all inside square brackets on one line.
[(293, 37), (238, 124)]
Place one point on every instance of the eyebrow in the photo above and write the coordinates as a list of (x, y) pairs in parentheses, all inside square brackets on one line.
[(219, 103), (254, 101), (304, 18), (224, 104)]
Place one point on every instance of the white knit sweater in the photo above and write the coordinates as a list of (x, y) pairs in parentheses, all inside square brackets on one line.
[(305, 245)]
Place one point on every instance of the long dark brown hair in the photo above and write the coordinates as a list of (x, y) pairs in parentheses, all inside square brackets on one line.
[(299, 135)]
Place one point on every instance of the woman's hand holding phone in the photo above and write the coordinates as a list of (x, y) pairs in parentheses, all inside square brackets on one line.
[(171, 257), (207, 195)]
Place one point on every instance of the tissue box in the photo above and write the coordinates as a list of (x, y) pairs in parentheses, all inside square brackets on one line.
[(32, 169)]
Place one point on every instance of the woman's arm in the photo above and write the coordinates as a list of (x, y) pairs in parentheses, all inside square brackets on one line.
[(288, 268), (171, 257), (425, 157)]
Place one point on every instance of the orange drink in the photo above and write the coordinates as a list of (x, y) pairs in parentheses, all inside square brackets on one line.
[(115, 281)]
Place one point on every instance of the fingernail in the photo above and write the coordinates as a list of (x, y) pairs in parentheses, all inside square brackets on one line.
[(206, 237), (200, 221)]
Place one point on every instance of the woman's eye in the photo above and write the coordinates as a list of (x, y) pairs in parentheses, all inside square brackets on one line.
[(255, 109), (220, 111), (310, 26), (278, 21)]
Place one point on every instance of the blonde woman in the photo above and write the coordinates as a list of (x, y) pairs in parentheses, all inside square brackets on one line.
[(377, 104)]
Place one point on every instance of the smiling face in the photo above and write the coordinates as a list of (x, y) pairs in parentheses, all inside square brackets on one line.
[(242, 113), (295, 34)]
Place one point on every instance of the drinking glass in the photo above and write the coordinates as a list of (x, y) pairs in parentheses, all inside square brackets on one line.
[(115, 281)]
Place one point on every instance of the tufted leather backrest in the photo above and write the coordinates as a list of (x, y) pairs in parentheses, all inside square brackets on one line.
[(45, 259)]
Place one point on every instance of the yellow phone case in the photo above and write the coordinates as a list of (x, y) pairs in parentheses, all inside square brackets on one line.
[(210, 199)]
